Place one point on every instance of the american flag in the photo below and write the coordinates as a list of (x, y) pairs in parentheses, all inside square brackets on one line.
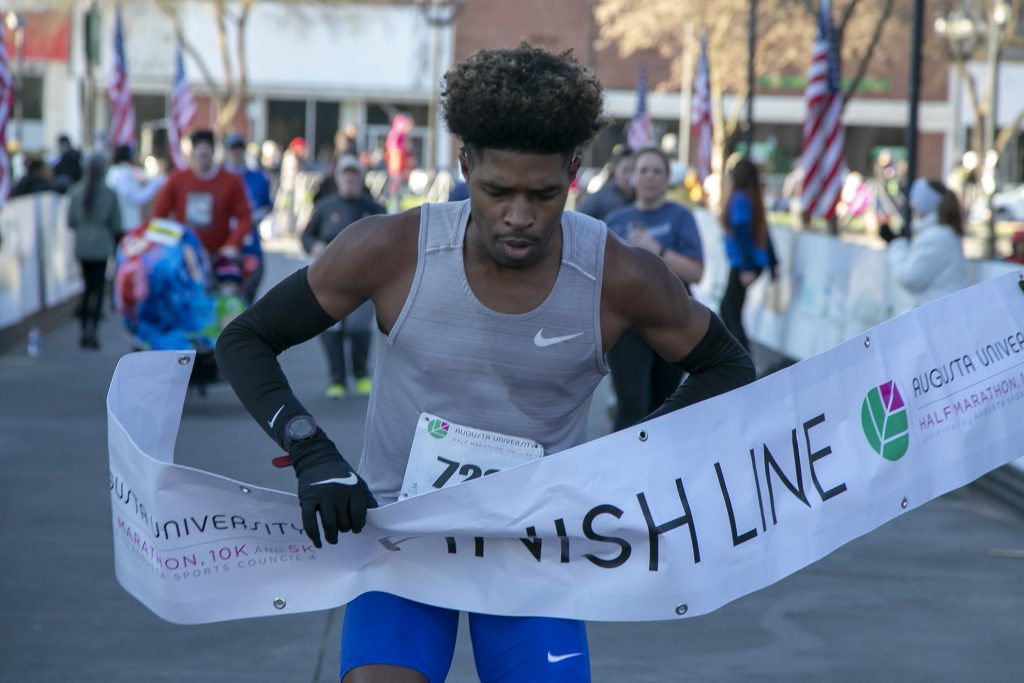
[(122, 125), (183, 110), (823, 128), (6, 103), (700, 117), (640, 133)]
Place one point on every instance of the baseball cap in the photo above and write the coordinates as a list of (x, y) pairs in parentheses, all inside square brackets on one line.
[(234, 140), (349, 163)]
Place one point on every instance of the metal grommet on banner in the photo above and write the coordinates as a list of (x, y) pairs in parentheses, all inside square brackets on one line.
[(279, 603), (183, 360), (867, 342), (904, 503), (681, 609), (642, 435), (245, 489)]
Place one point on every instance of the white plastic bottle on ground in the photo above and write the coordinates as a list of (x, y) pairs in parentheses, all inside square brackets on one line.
[(34, 338)]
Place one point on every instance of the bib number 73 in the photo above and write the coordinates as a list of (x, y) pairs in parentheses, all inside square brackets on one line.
[(467, 470)]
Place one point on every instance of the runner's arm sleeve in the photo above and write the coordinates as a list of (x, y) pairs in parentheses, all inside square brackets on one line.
[(247, 351), (716, 365)]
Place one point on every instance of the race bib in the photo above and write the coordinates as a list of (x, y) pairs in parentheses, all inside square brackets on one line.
[(444, 454), (199, 209)]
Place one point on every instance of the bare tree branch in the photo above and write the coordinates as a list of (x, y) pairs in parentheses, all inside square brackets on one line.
[(847, 13), (1009, 132), (222, 46), (976, 105), (862, 67), (167, 7), (243, 71)]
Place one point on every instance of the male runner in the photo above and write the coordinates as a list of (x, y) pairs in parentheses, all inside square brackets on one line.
[(207, 198), (496, 314)]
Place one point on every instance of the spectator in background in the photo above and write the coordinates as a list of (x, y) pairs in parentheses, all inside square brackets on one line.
[(459, 191), (134, 191), (643, 379), (331, 216), (257, 191), (68, 168), (94, 215), (930, 261), (346, 141), (208, 199), (1017, 247), (293, 162), (399, 156), (747, 244), (38, 178), (616, 192)]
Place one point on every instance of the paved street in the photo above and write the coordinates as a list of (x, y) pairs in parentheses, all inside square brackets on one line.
[(925, 598)]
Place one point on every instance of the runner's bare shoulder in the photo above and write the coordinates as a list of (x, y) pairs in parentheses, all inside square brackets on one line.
[(366, 259), (373, 248), (634, 280)]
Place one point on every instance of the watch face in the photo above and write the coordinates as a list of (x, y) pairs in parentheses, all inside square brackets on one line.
[(301, 427)]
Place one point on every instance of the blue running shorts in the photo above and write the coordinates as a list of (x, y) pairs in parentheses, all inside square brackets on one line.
[(381, 628)]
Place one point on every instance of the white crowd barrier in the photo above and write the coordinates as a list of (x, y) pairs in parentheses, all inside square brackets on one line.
[(38, 269), (827, 290)]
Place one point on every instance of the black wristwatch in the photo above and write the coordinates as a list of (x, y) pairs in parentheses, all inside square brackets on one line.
[(299, 429)]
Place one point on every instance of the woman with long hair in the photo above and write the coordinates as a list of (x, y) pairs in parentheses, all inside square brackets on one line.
[(930, 262), (642, 379), (746, 244), (95, 216)]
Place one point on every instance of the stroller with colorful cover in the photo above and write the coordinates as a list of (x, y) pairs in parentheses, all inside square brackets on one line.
[(164, 292)]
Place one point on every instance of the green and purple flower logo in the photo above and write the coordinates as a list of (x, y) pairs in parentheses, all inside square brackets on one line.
[(883, 415), (437, 428)]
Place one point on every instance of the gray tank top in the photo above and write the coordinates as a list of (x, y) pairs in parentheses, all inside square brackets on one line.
[(529, 375)]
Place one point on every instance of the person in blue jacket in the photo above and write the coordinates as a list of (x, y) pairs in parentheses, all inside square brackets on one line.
[(257, 189), (747, 244)]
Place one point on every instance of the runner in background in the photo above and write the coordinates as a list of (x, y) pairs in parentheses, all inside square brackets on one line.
[(496, 314), (207, 198)]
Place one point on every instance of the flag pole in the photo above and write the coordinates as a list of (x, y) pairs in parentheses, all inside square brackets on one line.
[(910, 137), (686, 95)]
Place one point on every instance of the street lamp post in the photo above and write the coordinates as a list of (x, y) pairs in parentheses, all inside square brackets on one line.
[(15, 24), (1000, 14), (438, 14), (748, 134), (962, 32)]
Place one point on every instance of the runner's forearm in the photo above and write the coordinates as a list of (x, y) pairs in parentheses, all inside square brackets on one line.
[(247, 350), (716, 365)]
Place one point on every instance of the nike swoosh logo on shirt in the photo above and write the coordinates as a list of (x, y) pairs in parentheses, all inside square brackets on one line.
[(540, 340), (274, 419), (554, 659), (350, 480)]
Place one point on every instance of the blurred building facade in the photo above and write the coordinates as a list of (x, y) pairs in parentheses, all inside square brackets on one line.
[(314, 67)]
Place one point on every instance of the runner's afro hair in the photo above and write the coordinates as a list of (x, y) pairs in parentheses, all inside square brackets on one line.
[(523, 99)]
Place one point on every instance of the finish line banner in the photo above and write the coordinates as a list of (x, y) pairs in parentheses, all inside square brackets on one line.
[(673, 518)]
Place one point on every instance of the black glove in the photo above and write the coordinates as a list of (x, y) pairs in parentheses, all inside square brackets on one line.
[(328, 485)]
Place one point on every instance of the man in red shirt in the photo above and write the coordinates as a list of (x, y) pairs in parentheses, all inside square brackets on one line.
[(207, 198)]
